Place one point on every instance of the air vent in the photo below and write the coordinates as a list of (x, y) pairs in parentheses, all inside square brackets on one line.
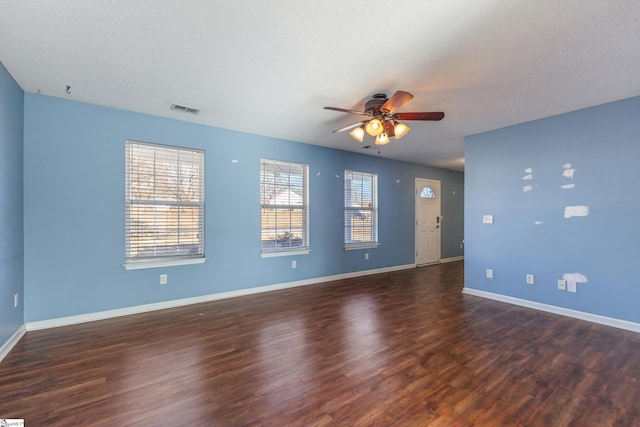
[(185, 109)]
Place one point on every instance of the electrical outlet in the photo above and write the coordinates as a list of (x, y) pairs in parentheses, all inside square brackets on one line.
[(16, 299), (487, 219), (489, 273), (461, 245), (366, 255), (163, 279), (294, 264), (562, 285), (571, 286), (530, 280)]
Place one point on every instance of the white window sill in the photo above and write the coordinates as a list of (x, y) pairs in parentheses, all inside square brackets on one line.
[(137, 265), (284, 253), (356, 246)]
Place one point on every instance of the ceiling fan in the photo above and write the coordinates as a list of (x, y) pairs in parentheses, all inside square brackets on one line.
[(383, 122)]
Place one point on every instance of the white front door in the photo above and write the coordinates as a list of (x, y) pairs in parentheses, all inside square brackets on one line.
[(428, 221)]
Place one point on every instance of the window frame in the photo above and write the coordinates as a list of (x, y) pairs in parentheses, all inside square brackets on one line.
[(350, 244), (285, 251), (164, 260)]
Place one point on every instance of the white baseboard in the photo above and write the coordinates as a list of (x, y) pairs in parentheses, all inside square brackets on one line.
[(11, 342), (452, 259), (595, 318), (109, 314)]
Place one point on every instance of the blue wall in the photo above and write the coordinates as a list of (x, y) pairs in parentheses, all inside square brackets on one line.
[(74, 210), (11, 241), (531, 233)]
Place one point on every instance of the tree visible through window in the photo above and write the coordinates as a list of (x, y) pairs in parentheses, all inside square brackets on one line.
[(283, 202), (164, 207), (360, 209)]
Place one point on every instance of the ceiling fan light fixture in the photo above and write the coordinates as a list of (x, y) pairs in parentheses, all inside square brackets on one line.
[(382, 122), (357, 133), (374, 127), (401, 130), (382, 139)]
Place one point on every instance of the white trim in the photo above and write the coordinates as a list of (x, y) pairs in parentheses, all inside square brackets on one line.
[(595, 318), (11, 342), (426, 264), (452, 259), (108, 314), (356, 246), (137, 265), (288, 252)]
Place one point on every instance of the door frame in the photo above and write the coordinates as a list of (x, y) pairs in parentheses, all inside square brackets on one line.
[(419, 184)]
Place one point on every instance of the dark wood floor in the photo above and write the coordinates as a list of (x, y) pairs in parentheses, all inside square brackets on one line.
[(403, 348)]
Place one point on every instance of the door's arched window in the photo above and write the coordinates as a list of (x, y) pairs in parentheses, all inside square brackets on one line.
[(427, 193)]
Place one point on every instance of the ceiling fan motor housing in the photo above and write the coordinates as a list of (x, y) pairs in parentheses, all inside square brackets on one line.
[(373, 105)]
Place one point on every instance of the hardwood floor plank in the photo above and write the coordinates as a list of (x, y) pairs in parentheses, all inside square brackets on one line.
[(403, 348)]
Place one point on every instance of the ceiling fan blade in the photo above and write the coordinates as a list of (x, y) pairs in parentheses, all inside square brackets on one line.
[(343, 110), (389, 129), (349, 127), (396, 101), (433, 116)]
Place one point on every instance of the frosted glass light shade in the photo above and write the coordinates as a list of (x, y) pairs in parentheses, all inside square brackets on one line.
[(374, 127), (401, 130), (357, 133), (382, 139)]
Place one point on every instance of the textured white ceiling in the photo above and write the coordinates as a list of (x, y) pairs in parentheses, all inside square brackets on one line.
[(269, 66)]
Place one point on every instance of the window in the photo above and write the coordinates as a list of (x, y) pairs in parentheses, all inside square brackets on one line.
[(164, 206), (360, 210), (427, 193), (284, 204)]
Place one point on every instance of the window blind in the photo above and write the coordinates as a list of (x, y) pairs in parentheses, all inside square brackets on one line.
[(360, 208), (284, 224), (164, 206)]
